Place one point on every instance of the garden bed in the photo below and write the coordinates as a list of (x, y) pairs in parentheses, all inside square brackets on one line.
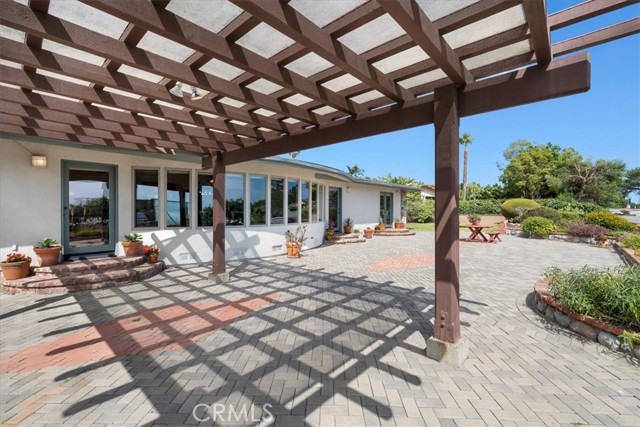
[(628, 255)]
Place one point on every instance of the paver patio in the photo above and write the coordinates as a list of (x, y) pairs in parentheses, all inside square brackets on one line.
[(334, 338)]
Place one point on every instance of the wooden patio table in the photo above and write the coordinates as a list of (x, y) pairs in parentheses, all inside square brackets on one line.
[(476, 232)]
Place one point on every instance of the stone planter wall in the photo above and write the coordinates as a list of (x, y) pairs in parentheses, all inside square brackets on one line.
[(557, 236), (588, 327)]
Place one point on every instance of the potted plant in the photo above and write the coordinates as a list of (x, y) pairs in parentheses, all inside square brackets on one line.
[(380, 224), (474, 219), (16, 266), (330, 226), (348, 225), (356, 231), (48, 251), (398, 223), (295, 240), (151, 252), (368, 233), (131, 244)]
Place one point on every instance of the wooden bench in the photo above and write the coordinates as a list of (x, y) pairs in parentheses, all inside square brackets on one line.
[(494, 237)]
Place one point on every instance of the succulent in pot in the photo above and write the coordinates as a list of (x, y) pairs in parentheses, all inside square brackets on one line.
[(48, 251), (474, 219), (398, 223), (132, 243), (348, 225), (295, 240)]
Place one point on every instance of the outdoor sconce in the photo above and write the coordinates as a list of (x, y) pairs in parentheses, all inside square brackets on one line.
[(38, 161), (348, 189)]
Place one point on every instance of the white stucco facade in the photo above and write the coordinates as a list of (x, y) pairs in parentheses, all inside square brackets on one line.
[(31, 206)]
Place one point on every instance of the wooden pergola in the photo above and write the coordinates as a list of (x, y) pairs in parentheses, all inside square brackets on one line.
[(238, 80)]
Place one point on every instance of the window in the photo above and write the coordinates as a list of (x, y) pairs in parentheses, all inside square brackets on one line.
[(304, 201), (258, 200), (292, 201), (146, 198), (235, 199), (320, 202), (205, 201), (277, 201), (178, 204), (314, 202)]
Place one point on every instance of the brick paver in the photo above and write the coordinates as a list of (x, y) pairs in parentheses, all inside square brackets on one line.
[(334, 338)]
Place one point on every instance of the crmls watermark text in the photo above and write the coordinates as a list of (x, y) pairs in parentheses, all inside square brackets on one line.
[(203, 412)]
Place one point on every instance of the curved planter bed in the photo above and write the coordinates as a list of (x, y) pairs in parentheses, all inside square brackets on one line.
[(627, 254), (587, 326)]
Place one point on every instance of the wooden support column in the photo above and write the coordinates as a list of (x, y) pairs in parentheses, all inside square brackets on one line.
[(447, 345), (218, 268)]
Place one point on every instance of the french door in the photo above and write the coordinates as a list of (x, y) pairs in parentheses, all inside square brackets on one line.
[(386, 208), (88, 208), (335, 207)]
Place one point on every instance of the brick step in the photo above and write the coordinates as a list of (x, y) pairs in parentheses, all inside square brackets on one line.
[(81, 281), (346, 238), (89, 265), (394, 232)]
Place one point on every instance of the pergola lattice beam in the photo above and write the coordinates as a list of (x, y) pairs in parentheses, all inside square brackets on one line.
[(564, 77), (594, 38), (536, 14), (473, 13), (587, 10), (410, 16), (296, 26)]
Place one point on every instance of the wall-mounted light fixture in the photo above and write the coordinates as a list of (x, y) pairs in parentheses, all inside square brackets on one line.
[(176, 90), (38, 161), (195, 95)]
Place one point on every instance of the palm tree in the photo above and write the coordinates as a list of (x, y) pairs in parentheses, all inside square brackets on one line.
[(355, 170), (465, 140)]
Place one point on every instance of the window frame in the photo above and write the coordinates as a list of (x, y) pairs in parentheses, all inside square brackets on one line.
[(160, 217), (166, 173), (198, 174), (267, 186), (244, 199)]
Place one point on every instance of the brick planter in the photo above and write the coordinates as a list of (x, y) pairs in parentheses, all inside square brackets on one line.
[(587, 326), (627, 254)]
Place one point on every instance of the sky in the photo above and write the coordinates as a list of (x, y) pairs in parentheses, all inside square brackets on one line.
[(603, 123)]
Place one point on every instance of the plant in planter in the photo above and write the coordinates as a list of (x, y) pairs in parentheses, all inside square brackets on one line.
[(348, 225), (48, 251), (295, 240), (380, 224), (331, 226), (131, 244), (398, 223), (368, 233), (16, 266), (474, 219), (356, 231), (151, 252)]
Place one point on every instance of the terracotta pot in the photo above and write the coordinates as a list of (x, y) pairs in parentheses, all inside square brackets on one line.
[(48, 256), (368, 234), (348, 229), (398, 224), (15, 270), (293, 250), (329, 236), (475, 222), (381, 226), (153, 258), (131, 248)]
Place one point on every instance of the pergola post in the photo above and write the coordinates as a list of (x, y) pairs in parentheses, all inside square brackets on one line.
[(447, 345), (218, 268)]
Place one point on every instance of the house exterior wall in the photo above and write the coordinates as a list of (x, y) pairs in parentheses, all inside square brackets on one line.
[(31, 204)]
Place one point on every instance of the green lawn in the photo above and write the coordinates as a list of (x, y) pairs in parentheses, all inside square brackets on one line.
[(417, 226)]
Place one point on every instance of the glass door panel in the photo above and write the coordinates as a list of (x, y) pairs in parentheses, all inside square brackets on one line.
[(88, 209), (335, 208), (386, 208)]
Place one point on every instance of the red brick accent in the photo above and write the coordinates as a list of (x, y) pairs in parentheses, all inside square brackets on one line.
[(147, 331)]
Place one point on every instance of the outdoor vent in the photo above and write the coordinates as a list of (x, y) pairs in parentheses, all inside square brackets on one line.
[(276, 248)]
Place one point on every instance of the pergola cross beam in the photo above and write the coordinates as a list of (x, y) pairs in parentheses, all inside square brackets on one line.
[(536, 13)]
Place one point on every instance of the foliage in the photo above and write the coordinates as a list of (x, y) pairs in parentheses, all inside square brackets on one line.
[(294, 154), (480, 207), (421, 210), (510, 207), (474, 218), (47, 242), (411, 195), (133, 237), (609, 295), (296, 238), (631, 183), (543, 212), (610, 221), (582, 229), (17, 257), (348, 222), (631, 241), (465, 140), (206, 216), (151, 250), (580, 208), (538, 226), (355, 170)]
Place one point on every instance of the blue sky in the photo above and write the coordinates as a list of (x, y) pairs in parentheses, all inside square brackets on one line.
[(602, 123)]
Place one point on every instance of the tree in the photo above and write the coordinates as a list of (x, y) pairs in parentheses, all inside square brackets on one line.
[(402, 180), (465, 140), (294, 154), (631, 183), (355, 171)]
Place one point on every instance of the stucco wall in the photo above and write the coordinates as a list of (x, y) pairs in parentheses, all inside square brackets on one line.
[(31, 207)]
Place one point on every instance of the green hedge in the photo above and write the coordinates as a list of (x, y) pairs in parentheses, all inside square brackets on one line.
[(611, 221), (538, 226), (480, 207), (580, 208), (421, 210), (510, 207)]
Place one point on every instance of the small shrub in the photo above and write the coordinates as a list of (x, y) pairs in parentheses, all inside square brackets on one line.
[(581, 208), (538, 226), (421, 211), (609, 295), (631, 241), (610, 221), (543, 212), (582, 229), (510, 207)]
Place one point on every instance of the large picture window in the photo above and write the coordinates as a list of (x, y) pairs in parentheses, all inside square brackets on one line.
[(314, 202), (258, 201), (178, 204), (235, 199), (277, 201), (304, 201), (292, 201), (205, 201), (146, 198)]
